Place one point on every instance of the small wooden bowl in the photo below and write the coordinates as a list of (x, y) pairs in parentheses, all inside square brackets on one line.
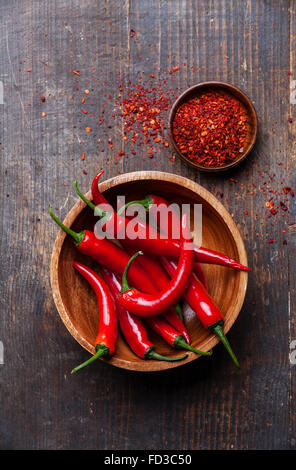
[(223, 88), (76, 302)]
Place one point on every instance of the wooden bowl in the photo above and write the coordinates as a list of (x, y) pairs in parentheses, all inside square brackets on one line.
[(222, 88), (77, 303)]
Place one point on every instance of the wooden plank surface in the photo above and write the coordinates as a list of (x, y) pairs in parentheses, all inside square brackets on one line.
[(206, 405)]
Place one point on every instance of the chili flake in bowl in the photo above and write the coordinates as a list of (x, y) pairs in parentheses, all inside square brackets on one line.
[(213, 126)]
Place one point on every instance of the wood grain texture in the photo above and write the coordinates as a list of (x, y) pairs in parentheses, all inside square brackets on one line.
[(204, 405)]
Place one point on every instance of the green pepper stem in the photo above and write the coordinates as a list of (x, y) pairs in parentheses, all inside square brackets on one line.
[(151, 354), (124, 285), (181, 343), (217, 328), (78, 237), (178, 309), (146, 203), (99, 212), (101, 351)]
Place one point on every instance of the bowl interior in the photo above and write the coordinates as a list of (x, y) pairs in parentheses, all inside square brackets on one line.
[(227, 287), (221, 88)]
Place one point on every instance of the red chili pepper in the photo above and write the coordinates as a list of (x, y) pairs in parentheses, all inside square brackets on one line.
[(132, 327), (154, 244), (153, 304), (172, 336), (152, 267), (108, 254), (106, 339), (204, 307)]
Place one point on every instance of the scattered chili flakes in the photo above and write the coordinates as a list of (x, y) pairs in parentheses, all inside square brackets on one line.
[(87, 129), (42, 99), (83, 156), (132, 33), (43, 114), (86, 92), (84, 111), (76, 72), (144, 112)]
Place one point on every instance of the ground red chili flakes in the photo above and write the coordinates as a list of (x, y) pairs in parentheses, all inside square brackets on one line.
[(144, 111), (211, 129)]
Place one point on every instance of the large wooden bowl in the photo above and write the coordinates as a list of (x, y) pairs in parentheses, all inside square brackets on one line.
[(76, 302)]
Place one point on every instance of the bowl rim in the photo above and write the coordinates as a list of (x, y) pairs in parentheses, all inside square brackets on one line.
[(243, 97), (138, 176)]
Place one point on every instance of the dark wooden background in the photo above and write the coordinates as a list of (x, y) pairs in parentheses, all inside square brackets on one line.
[(206, 405)]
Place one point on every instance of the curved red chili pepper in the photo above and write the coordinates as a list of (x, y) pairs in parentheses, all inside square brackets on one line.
[(131, 326), (98, 197), (107, 334), (108, 254), (204, 307), (161, 279), (153, 304), (153, 243)]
